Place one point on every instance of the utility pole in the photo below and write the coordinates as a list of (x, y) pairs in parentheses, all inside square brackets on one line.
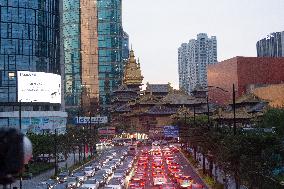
[(234, 109)]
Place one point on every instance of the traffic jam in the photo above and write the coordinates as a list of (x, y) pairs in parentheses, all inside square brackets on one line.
[(109, 171), (131, 167), (159, 167)]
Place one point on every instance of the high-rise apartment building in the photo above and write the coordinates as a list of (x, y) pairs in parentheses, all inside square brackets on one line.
[(29, 41), (110, 40), (271, 46), (193, 58)]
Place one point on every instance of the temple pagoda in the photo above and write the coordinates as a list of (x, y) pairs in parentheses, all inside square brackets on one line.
[(131, 87)]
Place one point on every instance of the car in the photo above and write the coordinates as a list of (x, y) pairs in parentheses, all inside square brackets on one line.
[(50, 183), (119, 173), (91, 184), (72, 182), (185, 181), (108, 169), (157, 181), (60, 186), (89, 171), (96, 165), (102, 173), (100, 179), (62, 177), (167, 186), (115, 183), (136, 184), (80, 176), (197, 186)]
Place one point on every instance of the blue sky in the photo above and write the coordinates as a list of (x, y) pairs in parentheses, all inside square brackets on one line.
[(158, 27)]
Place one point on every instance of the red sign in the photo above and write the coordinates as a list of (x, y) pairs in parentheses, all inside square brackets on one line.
[(106, 131)]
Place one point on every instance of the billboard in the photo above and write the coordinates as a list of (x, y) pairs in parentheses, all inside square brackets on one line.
[(106, 131), (86, 120), (39, 87)]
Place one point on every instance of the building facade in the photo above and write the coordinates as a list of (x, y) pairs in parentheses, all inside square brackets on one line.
[(193, 59), (29, 41), (80, 38), (246, 73), (271, 46), (125, 47), (110, 37)]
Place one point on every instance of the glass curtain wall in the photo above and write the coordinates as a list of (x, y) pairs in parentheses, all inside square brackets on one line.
[(110, 37), (72, 54), (29, 41)]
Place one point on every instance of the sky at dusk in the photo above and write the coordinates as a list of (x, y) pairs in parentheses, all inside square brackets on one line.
[(158, 27)]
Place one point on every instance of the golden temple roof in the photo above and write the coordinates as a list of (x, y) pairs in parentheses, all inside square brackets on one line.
[(248, 98), (132, 71), (274, 94)]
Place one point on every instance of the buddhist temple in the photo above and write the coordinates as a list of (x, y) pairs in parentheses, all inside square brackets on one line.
[(149, 110)]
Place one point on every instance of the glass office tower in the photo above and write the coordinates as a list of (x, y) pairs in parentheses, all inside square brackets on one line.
[(110, 36), (72, 56), (29, 41), (80, 40)]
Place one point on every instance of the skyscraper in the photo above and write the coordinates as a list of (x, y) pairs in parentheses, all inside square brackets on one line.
[(110, 36), (80, 39), (271, 46), (125, 47), (29, 41), (193, 58)]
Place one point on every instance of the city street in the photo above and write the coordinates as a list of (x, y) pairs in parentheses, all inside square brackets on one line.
[(182, 164)]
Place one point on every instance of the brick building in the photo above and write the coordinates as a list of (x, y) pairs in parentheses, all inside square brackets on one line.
[(246, 73)]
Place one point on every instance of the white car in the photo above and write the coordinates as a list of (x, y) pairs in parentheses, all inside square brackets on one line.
[(80, 176), (89, 171), (108, 170), (72, 182), (159, 181), (91, 184), (115, 183)]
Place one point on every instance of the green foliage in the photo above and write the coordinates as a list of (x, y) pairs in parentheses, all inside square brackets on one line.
[(274, 117), (37, 168)]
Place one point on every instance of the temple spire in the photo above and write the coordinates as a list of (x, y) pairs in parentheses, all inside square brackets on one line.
[(132, 71)]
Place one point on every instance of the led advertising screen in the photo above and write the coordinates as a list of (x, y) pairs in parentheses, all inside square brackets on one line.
[(39, 87)]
